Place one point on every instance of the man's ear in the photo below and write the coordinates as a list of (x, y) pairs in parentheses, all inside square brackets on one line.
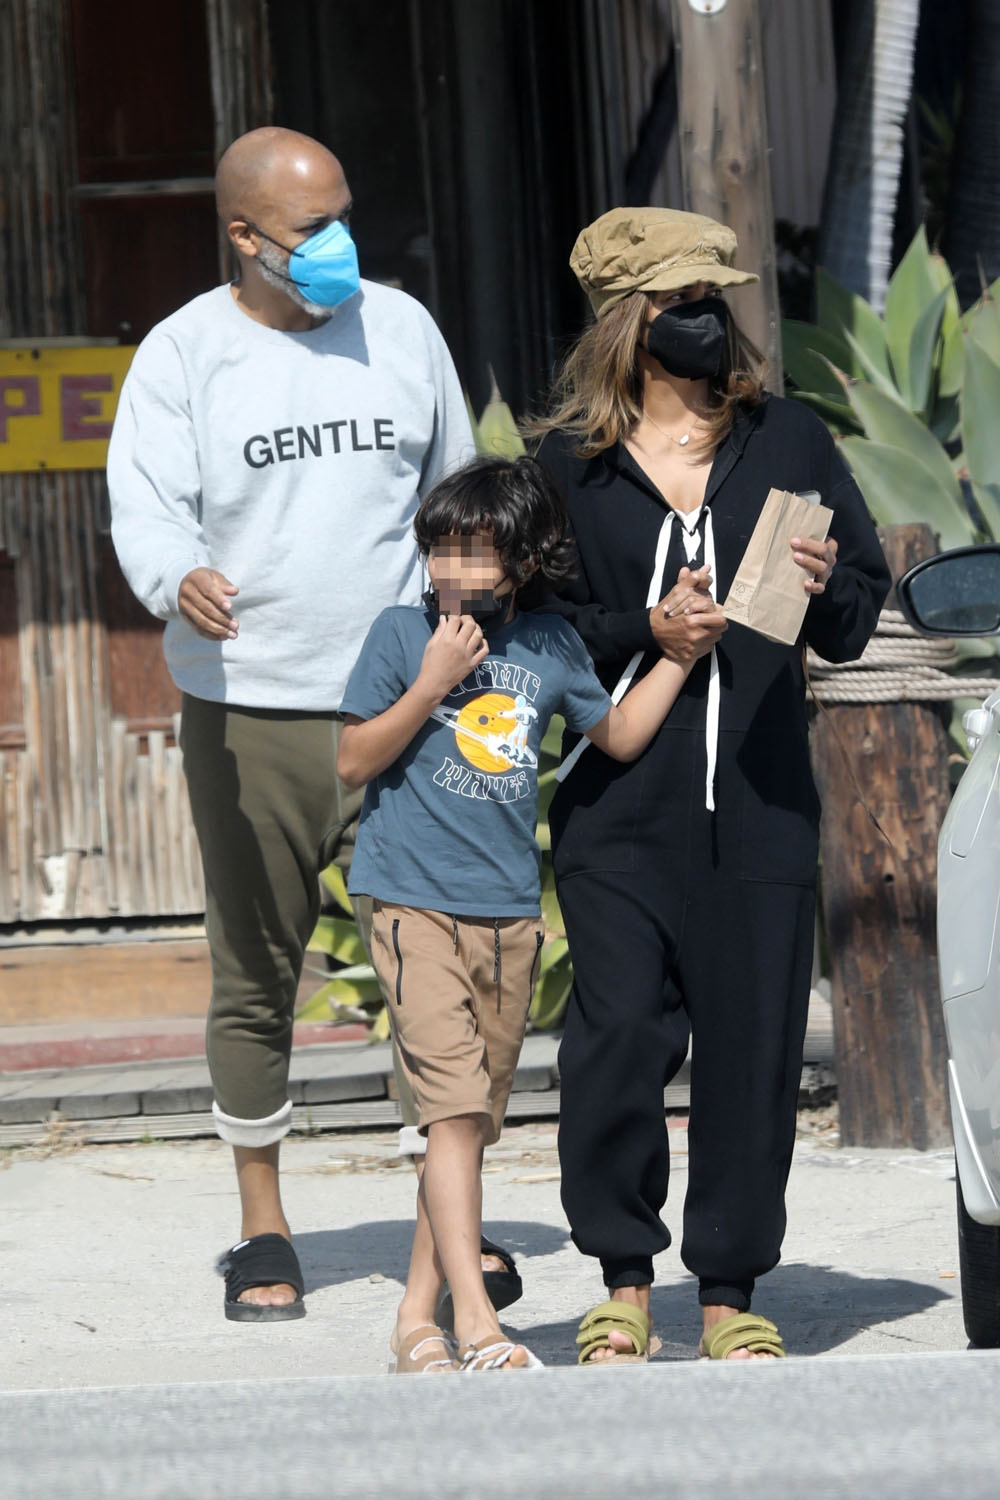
[(241, 237)]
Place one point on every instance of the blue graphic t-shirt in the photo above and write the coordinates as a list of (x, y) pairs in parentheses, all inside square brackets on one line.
[(450, 825)]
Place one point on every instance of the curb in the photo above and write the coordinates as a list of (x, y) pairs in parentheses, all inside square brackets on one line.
[(70, 1052)]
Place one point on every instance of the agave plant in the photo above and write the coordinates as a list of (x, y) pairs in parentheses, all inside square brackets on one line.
[(351, 991), (913, 398), (913, 395)]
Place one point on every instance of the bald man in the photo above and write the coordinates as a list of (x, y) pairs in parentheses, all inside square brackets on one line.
[(273, 440)]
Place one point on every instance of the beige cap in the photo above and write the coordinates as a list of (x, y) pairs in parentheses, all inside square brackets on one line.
[(652, 250)]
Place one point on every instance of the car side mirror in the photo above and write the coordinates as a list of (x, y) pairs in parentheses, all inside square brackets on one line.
[(954, 593)]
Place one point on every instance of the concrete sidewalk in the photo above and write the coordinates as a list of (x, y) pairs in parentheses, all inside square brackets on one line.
[(108, 1258), (335, 1085)]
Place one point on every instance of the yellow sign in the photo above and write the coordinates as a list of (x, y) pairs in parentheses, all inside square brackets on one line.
[(57, 405)]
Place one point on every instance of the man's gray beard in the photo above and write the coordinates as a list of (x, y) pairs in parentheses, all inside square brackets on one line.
[(274, 270)]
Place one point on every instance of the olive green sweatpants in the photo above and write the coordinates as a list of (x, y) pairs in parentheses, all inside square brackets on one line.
[(270, 812)]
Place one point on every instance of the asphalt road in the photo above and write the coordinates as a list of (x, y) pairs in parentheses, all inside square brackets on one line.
[(884, 1426)]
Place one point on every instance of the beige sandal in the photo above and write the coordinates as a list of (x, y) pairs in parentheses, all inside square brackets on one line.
[(416, 1354), (492, 1353)]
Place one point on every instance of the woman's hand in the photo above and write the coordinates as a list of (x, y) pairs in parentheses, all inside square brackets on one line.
[(689, 592), (817, 558), (453, 651), (687, 622)]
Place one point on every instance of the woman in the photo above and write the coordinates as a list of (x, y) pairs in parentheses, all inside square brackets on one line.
[(687, 879)]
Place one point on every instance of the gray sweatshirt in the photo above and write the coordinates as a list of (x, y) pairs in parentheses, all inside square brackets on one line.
[(293, 463)]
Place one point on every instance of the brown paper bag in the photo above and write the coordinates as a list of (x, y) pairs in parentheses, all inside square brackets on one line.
[(767, 593)]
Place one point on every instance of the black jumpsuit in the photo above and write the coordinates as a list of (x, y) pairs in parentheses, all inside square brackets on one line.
[(685, 922)]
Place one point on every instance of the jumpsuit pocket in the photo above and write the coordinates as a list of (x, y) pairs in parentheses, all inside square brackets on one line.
[(779, 829), (399, 960)]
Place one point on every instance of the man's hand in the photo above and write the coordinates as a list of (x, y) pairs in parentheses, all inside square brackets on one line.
[(456, 647), (204, 601), (817, 558), (688, 622)]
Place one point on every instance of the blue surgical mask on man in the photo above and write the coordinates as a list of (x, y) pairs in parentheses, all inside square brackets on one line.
[(325, 266)]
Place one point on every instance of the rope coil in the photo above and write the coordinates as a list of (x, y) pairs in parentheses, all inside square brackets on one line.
[(898, 666)]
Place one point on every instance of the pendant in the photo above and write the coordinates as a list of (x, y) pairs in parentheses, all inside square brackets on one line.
[(684, 440)]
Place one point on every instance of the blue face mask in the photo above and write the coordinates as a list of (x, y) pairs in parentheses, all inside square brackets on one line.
[(325, 266)]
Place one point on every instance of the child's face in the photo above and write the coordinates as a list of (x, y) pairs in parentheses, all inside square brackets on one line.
[(467, 572)]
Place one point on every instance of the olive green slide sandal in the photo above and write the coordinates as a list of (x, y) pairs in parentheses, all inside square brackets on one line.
[(616, 1317), (742, 1331)]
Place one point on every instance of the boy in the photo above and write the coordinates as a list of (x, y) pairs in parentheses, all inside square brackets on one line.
[(444, 713)]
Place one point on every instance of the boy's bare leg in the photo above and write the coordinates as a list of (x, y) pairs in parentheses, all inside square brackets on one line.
[(425, 1277), (488, 1262), (260, 1199), (452, 1190)]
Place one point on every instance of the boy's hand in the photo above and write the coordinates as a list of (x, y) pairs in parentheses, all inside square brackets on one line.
[(453, 651), (687, 622)]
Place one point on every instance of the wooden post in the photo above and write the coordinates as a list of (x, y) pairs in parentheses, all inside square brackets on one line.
[(879, 904), (724, 153)]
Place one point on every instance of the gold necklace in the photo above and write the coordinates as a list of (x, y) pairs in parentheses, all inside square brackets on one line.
[(681, 442)]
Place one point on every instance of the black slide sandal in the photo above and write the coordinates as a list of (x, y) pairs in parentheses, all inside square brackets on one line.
[(263, 1260), (502, 1287)]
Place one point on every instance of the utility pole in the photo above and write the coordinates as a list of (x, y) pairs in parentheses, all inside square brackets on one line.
[(722, 121)]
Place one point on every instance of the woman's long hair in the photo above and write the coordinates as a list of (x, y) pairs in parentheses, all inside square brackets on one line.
[(596, 396)]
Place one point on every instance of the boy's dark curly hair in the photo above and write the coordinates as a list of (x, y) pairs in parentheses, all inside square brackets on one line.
[(514, 499)]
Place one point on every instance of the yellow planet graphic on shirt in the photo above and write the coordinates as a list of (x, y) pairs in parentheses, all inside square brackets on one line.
[(484, 729), (492, 732)]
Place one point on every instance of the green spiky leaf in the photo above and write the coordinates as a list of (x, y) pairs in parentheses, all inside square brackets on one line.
[(802, 344), (981, 430), (497, 433), (333, 878), (925, 345), (885, 421), (914, 287), (900, 489), (843, 313), (338, 937)]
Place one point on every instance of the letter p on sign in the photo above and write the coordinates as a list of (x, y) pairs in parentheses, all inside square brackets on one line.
[(20, 396)]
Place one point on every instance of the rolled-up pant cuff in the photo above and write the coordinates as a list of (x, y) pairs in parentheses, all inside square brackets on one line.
[(719, 1294), (618, 1273), (411, 1142), (254, 1132)]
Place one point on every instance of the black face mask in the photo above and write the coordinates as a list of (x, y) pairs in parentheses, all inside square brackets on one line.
[(482, 604), (689, 340)]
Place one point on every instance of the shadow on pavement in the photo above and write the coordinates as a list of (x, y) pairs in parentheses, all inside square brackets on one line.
[(817, 1308), (331, 1257)]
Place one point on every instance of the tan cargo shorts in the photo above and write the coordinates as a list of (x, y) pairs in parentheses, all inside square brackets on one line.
[(457, 991)]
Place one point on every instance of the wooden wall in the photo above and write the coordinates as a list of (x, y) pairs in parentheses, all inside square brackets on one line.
[(94, 817), (94, 820)]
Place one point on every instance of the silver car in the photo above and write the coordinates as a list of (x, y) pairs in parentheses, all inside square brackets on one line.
[(958, 593)]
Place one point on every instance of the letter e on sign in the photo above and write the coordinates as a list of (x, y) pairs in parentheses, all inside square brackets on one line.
[(81, 408)]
